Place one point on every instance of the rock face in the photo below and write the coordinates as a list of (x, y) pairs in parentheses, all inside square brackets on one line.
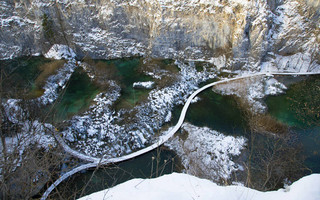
[(249, 35)]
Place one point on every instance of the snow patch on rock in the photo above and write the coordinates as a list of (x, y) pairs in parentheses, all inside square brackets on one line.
[(146, 85), (252, 90), (274, 87), (95, 129), (59, 51), (207, 153), (129, 130), (300, 62), (56, 82), (32, 133), (13, 111)]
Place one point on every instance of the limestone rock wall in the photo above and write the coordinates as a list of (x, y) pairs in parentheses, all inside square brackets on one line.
[(249, 35)]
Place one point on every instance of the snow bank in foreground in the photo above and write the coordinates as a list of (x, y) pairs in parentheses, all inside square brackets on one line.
[(183, 186), (59, 51)]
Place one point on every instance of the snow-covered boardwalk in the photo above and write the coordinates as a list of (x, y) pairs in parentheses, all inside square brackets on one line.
[(94, 162)]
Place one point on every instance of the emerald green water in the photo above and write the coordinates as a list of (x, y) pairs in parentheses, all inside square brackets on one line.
[(19, 75), (292, 107), (215, 111), (77, 96), (127, 72), (143, 166), (279, 107), (299, 108)]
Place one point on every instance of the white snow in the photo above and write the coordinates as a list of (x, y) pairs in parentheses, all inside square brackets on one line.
[(299, 62), (168, 117), (60, 51), (206, 150), (183, 186), (38, 134), (96, 125), (13, 111), (253, 90), (220, 61), (196, 99), (57, 81), (114, 46), (9, 52), (274, 87), (147, 84), (40, 3), (32, 132), (16, 20), (101, 123)]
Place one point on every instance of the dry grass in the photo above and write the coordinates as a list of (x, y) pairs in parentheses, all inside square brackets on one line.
[(265, 124), (47, 70), (168, 71), (103, 72), (262, 123), (259, 123)]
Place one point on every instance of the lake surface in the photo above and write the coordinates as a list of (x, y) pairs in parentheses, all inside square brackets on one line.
[(215, 111), (77, 97), (23, 77), (127, 72), (19, 75), (81, 90), (288, 108)]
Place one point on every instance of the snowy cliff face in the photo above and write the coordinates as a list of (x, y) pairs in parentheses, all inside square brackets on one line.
[(238, 34)]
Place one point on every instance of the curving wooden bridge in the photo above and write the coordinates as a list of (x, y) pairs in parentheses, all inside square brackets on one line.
[(96, 162)]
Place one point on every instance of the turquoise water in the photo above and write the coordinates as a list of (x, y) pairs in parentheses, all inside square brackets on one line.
[(279, 107), (289, 108), (77, 96), (126, 73), (129, 73), (23, 74), (292, 107), (215, 111), (22, 83), (19, 75)]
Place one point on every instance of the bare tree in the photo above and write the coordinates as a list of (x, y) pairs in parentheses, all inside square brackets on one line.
[(28, 160), (273, 154), (306, 104)]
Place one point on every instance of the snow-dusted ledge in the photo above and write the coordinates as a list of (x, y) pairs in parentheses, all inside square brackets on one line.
[(183, 186), (56, 81), (60, 51), (210, 150), (146, 85), (162, 139)]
